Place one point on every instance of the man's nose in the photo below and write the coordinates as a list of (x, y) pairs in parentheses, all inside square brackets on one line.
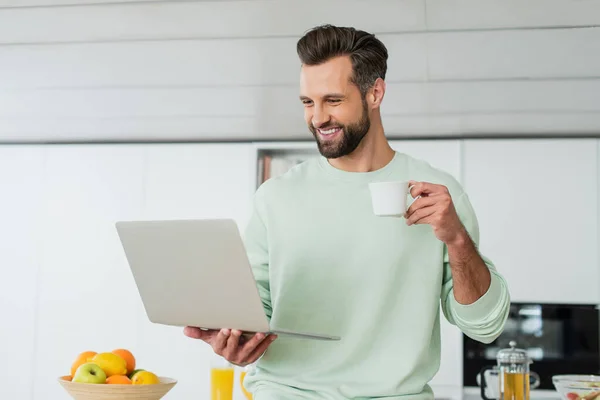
[(319, 118)]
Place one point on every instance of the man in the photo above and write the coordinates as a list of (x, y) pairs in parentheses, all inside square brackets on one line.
[(325, 263)]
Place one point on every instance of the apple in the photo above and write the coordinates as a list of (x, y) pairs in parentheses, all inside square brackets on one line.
[(134, 372), (572, 396), (89, 373)]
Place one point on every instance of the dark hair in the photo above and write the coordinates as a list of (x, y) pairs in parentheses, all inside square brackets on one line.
[(367, 53)]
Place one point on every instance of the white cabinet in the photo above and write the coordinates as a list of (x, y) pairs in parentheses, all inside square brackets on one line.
[(83, 296), (87, 299), (182, 182), (199, 181), (444, 155), (441, 154), (21, 173), (537, 203), (69, 288)]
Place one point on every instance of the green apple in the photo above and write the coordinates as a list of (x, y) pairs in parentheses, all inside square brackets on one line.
[(89, 373), (135, 371)]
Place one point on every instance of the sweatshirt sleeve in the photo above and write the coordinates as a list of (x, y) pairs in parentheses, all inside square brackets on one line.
[(484, 319), (257, 249)]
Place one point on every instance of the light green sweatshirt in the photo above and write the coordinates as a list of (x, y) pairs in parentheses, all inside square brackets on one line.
[(325, 263)]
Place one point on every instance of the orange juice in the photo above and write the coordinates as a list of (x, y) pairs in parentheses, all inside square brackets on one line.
[(221, 383), (246, 393)]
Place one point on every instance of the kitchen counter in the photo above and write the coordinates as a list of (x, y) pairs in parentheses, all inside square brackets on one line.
[(473, 393)]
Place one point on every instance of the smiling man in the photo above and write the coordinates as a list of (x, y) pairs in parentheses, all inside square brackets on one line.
[(325, 263)]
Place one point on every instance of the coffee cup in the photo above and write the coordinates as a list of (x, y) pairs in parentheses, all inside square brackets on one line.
[(389, 199)]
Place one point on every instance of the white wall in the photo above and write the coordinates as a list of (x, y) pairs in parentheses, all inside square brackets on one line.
[(106, 69)]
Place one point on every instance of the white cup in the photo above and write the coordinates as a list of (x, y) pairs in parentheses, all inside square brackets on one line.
[(389, 198)]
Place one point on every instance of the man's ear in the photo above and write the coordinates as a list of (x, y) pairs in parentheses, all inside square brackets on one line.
[(376, 94)]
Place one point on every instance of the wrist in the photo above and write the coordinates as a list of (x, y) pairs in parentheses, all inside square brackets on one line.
[(460, 241), (461, 250)]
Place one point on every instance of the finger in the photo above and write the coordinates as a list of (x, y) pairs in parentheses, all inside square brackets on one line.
[(221, 341), (411, 185), (197, 333), (245, 338), (261, 348), (420, 203), (418, 216), (251, 344), (425, 189), (233, 342)]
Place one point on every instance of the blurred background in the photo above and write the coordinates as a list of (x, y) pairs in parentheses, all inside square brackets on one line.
[(145, 109)]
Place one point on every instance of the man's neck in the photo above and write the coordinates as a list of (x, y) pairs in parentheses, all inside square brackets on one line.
[(373, 153)]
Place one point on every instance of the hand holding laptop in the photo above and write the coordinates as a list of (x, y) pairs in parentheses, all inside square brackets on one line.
[(232, 345)]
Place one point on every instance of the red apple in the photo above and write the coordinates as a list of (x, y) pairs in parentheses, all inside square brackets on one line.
[(572, 396)]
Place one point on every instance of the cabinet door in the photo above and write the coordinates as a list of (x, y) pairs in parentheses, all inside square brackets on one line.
[(21, 172), (445, 155), (441, 154), (537, 205), (200, 181), (193, 181), (87, 296)]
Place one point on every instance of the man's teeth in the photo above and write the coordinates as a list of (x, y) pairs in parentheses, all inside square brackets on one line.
[(329, 131)]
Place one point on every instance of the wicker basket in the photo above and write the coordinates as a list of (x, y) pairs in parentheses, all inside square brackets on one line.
[(89, 391)]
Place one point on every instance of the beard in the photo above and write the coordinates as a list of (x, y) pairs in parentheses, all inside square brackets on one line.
[(350, 137)]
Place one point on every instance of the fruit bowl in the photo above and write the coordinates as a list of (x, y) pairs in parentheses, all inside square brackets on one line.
[(86, 391), (577, 387)]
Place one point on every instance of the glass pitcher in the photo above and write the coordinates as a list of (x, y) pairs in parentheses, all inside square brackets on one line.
[(513, 377)]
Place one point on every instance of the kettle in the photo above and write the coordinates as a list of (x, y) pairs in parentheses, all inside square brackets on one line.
[(513, 379)]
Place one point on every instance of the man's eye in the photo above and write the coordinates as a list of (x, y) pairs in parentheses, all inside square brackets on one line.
[(334, 101), (307, 102)]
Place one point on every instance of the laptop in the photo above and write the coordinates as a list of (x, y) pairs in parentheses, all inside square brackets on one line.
[(197, 273)]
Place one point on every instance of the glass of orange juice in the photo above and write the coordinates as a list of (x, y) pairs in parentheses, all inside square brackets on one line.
[(221, 379), (242, 376)]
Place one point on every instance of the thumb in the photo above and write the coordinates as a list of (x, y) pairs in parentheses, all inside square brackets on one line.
[(197, 333)]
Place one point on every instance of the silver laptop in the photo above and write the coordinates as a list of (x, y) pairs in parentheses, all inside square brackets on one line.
[(197, 273)]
